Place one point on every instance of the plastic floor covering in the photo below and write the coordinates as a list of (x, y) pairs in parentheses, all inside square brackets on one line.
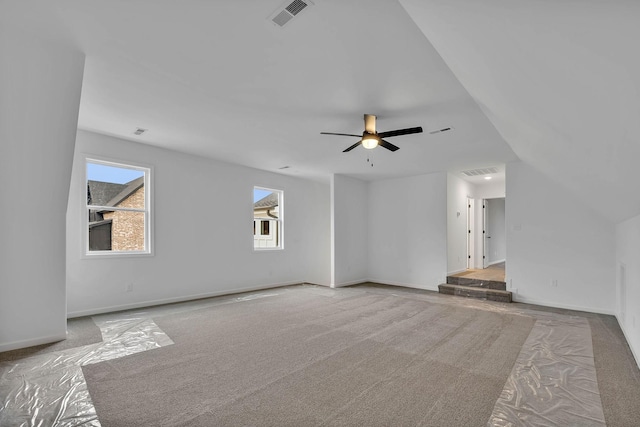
[(553, 381)]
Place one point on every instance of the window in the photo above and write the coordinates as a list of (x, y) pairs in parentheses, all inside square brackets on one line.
[(265, 228), (117, 208), (267, 218)]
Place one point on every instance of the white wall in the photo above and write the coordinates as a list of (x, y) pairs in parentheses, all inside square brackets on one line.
[(628, 255), (458, 193), (495, 211), (553, 236), (349, 230), (203, 241), (493, 189), (40, 85), (407, 231)]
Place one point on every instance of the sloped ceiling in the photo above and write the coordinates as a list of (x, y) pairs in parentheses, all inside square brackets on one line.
[(560, 81), (553, 83), (218, 79)]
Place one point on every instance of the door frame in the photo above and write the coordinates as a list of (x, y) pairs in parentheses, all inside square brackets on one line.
[(471, 259), (485, 238)]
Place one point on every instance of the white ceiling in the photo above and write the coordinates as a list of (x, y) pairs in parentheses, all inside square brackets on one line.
[(560, 80), (552, 83)]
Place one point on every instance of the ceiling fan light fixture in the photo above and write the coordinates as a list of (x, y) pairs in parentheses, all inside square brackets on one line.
[(370, 141), (371, 138)]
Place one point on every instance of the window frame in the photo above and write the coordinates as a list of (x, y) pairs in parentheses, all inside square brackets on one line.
[(147, 211), (279, 236)]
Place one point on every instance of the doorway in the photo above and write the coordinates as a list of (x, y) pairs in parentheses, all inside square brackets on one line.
[(493, 240), (471, 259), (486, 239), (494, 232)]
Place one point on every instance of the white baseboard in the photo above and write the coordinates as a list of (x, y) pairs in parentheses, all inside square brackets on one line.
[(326, 285), (383, 282), (520, 298), (31, 342), (406, 285), (497, 262), (626, 336), (150, 303), (350, 283)]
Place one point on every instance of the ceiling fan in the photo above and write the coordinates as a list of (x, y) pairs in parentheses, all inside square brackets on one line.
[(371, 139)]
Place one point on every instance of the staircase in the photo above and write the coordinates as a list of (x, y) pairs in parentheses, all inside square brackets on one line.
[(491, 290)]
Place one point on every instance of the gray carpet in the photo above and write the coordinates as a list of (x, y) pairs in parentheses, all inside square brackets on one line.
[(620, 394), (616, 369), (80, 331), (310, 357)]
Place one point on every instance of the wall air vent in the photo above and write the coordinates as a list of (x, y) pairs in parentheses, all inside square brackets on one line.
[(479, 172), (288, 10)]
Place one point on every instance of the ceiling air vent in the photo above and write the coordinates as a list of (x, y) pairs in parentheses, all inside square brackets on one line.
[(288, 10), (139, 131), (479, 172)]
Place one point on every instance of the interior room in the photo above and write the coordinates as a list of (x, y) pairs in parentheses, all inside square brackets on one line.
[(381, 150)]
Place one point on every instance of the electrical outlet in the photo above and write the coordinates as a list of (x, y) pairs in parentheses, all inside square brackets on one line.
[(129, 287), (554, 283)]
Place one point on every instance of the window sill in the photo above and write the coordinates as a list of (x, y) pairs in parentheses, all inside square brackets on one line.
[(110, 254), (267, 249)]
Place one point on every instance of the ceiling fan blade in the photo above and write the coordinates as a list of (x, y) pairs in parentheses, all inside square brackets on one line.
[(342, 134), (370, 123), (388, 145), (353, 146), (399, 132)]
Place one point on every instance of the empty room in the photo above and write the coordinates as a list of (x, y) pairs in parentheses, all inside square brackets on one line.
[(319, 213)]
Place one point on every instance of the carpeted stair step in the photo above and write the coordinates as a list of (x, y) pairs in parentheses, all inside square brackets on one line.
[(479, 283), (475, 292)]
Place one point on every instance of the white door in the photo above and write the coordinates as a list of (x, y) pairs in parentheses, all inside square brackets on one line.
[(470, 232), (486, 236)]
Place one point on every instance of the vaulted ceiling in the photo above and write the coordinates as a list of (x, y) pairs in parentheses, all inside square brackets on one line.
[(552, 83), (560, 81)]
